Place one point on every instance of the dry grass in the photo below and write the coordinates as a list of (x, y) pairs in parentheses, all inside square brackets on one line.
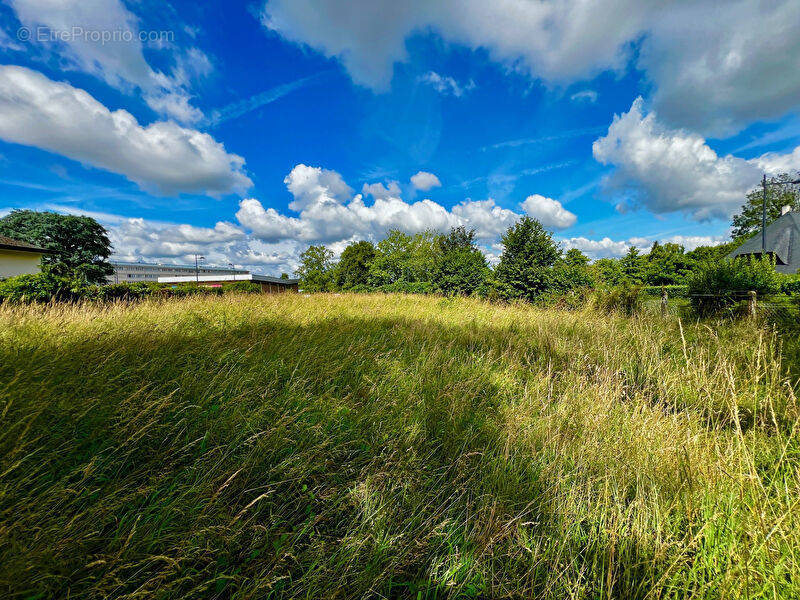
[(392, 446)]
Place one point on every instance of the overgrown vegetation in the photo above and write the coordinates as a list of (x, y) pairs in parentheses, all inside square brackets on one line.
[(392, 446), (46, 287)]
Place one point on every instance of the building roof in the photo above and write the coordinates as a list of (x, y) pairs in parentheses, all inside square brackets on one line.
[(783, 240), (225, 278), (7, 243), (122, 263)]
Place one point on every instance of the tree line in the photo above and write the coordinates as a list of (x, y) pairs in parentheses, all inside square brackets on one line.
[(532, 265)]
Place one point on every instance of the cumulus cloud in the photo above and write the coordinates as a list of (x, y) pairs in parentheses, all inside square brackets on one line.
[(162, 157), (706, 78), (71, 28), (549, 212), (608, 248), (328, 214), (425, 181), (669, 170)]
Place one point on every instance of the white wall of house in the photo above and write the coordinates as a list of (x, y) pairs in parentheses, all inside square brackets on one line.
[(13, 263)]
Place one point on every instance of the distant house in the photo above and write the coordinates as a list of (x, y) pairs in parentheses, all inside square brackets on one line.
[(19, 258), (783, 243)]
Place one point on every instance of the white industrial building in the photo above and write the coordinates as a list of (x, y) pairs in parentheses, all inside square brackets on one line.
[(131, 272)]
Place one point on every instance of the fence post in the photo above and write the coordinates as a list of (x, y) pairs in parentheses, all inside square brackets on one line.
[(751, 303), (663, 301)]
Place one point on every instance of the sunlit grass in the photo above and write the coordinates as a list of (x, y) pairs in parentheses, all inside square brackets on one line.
[(392, 446)]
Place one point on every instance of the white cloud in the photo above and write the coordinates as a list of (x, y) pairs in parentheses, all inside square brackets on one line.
[(425, 181), (444, 84), (327, 214), (669, 170), (594, 249), (589, 96), (608, 248), (72, 29), (380, 191), (161, 157), (548, 211), (711, 69)]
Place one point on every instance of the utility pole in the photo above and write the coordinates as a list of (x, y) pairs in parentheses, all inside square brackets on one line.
[(233, 268), (764, 217), (197, 259)]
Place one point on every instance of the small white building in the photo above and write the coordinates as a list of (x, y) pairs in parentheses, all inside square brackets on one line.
[(19, 258)]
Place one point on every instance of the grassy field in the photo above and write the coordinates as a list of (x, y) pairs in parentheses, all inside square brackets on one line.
[(392, 446)]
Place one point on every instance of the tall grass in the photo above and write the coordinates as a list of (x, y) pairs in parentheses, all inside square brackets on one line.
[(392, 446)]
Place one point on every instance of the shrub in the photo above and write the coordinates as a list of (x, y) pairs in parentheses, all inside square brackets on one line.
[(121, 291), (717, 286), (41, 287), (673, 291), (790, 285), (241, 287), (626, 299)]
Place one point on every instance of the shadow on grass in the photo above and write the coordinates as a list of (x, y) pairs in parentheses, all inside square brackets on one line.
[(350, 457)]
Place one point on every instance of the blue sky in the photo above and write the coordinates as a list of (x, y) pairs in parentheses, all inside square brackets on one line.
[(246, 131)]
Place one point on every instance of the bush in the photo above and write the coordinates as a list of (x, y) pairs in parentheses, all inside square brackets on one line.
[(718, 286), (241, 287), (41, 287), (121, 292), (790, 285), (626, 299), (673, 291)]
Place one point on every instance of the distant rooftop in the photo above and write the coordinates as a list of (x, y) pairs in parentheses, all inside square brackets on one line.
[(7, 243), (783, 241)]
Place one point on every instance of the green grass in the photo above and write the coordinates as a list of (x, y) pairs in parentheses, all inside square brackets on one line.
[(392, 446)]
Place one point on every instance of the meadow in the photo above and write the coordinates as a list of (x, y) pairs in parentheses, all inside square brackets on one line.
[(392, 446)]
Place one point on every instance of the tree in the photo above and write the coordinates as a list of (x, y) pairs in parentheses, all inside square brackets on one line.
[(633, 266), (315, 269), (284, 276), (667, 264), (703, 254), (609, 271), (354, 264), (81, 243), (748, 220), (529, 252), (459, 267), (403, 258), (572, 272)]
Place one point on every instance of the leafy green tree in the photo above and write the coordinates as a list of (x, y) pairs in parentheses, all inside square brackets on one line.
[(315, 270), (81, 243), (572, 272), (575, 258), (667, 264), (633, 266), (712, 253), (529, 253), (403, 258), (608, 271), (284, 276), (354, 264), (748, 221), (459, 267)]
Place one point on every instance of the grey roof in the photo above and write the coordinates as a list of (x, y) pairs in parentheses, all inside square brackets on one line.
[(7, 243), (783, 240)]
